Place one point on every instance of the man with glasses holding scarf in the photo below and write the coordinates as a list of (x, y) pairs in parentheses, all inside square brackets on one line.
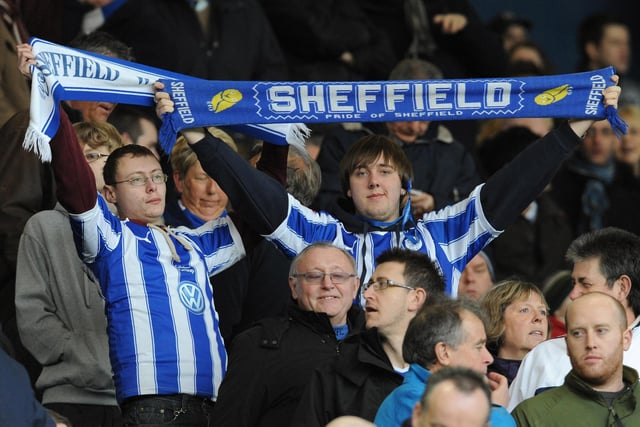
[(166, 350)]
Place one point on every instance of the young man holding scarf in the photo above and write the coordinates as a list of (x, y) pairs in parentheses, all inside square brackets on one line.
[(166, 351), (376, 179)]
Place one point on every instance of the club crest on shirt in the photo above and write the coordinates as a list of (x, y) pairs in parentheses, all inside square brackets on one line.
[(413, 244), (191, 297)]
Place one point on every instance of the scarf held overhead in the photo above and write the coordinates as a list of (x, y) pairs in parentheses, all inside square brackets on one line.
[(203, 103), (66, 74), (273, 110)]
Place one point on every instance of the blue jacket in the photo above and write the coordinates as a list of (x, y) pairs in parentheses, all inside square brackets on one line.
[(19, 404), (397, 407)]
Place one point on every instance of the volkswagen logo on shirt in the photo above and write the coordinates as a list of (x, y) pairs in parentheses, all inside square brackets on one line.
[(191, 297)]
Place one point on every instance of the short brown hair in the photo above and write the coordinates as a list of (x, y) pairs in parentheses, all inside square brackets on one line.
[(367, 150), (496, 301)]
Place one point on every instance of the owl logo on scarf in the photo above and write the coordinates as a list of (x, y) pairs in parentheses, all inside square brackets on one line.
[(551, 96), (225, 99)]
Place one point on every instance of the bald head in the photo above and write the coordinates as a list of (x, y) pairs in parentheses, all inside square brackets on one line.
[(350, 421), (584, 303)]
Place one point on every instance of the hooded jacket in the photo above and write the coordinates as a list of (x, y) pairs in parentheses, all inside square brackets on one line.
[(60, 314)]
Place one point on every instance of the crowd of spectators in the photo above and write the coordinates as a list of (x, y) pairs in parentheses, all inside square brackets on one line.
[(233, 282)]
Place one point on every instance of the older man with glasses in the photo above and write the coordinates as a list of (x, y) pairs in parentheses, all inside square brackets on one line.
[(271, 363), (370, 365)]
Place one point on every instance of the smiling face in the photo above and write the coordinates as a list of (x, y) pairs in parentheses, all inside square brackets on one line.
[(144, 203), (526, 326), (334, 299), (376, 190), (201, 193), (596, 338)]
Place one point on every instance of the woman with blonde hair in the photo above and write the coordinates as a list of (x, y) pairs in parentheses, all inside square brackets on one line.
[(517, 316)]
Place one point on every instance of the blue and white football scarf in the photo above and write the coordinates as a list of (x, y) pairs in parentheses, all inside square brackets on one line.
[(272, 111)]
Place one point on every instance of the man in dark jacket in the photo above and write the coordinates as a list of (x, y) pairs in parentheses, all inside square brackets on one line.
[(270, 364), (370, 364)]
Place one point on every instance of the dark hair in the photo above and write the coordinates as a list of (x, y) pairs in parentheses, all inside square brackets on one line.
[(126, 118), (102, 43), (367, 150), (419, 270), (528, 68), (111, 166), (434, 323), (591, 30), (619, 254), (464, 379)]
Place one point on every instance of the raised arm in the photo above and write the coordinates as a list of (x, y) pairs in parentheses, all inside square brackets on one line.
[(510, 190), (75, 183), (259, 199)]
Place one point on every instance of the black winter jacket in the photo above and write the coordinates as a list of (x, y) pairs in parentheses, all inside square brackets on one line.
[(271, 363)]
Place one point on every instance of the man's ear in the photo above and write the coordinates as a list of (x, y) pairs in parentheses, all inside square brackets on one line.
[(292, 286), (126, 138), (443, 357), (349, 194), (418, 297), (626, 339), (624, 288), (109, 193), (403, 191)]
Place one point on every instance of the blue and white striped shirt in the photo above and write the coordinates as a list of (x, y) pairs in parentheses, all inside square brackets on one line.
[(450, 236), (162, 323)]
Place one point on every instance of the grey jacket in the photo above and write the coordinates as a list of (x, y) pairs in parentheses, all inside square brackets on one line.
[(60, 314)]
